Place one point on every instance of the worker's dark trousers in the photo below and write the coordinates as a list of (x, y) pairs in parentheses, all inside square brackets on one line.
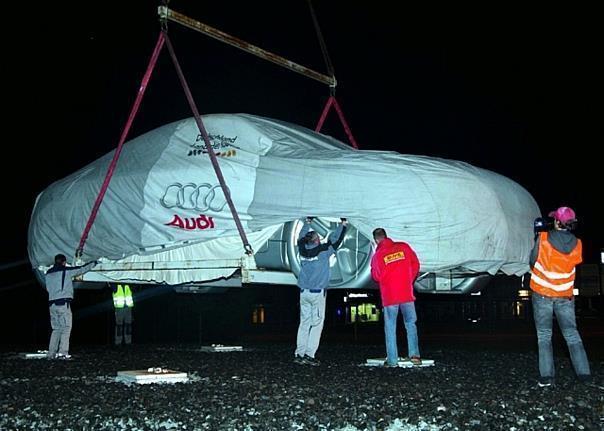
[(123, 325)]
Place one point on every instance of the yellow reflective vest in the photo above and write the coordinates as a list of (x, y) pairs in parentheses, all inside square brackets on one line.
[(122, 297)]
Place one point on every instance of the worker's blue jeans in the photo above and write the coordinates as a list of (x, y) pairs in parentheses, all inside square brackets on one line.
[(409, 318), (544, 307)]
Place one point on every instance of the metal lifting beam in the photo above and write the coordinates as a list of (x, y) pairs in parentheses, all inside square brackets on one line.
[(166, 13)]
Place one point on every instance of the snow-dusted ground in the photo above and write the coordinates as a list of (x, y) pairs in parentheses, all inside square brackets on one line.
[(262, 389)]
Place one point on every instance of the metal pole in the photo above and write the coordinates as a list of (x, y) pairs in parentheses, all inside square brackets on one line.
[(166, 13)]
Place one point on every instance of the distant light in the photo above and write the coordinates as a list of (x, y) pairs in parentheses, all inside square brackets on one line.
[(523, 293), (358, 295), (476, 293), (346, 299), (576, 292), (601, 256)]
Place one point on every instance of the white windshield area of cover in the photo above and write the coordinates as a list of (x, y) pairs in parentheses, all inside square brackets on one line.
[(164, 202)]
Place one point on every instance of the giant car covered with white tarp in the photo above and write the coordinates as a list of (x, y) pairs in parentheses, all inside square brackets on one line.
[(164, 210)]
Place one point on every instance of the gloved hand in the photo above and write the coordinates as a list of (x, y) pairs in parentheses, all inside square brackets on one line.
[(309, 219)]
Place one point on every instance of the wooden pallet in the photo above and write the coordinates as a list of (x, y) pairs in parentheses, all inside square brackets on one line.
[(379, 362), (221, 348), (151, 375), (40, 354)]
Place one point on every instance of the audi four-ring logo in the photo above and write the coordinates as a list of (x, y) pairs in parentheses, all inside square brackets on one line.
[(190, 196)]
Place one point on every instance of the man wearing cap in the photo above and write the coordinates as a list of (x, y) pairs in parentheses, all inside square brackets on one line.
[(60, 294), (553, 260), (313, 280)]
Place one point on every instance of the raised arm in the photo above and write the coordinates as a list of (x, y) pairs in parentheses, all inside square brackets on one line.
[(535, 251), (78, 270), (337, 237), (305, 228)]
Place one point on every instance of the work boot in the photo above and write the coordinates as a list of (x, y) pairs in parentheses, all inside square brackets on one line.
[(63, 356), (311, 361), (415, 360), (544, 382)]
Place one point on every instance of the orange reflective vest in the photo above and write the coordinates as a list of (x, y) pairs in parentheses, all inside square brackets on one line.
[(554, 272)]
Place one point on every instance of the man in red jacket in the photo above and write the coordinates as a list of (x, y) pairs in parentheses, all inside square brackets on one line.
[(394, 266)]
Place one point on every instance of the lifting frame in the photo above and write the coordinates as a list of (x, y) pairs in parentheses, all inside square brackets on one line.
[(249, 273)]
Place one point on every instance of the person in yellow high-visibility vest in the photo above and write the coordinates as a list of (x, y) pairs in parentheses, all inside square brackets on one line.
[(123, 302)]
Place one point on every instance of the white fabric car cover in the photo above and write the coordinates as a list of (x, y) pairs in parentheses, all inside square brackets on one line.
[(164, 202)]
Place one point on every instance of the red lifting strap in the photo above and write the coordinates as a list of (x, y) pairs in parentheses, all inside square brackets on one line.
[(332, 101), (163, 37), (116, 155), (211, 153)]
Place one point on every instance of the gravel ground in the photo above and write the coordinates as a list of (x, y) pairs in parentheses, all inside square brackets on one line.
[(262, 389)]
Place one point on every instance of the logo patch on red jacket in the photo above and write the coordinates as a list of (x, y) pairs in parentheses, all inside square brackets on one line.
[(393, 257)]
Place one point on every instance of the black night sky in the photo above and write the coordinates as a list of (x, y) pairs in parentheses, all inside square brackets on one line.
[(510, 89)]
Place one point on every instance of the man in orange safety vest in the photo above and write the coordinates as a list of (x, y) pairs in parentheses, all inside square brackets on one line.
[(553, 260)]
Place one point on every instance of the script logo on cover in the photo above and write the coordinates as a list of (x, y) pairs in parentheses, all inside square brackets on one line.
[(223, 146)]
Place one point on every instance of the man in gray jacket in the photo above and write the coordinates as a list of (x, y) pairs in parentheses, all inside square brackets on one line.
[(60, 294), (312, 281)]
